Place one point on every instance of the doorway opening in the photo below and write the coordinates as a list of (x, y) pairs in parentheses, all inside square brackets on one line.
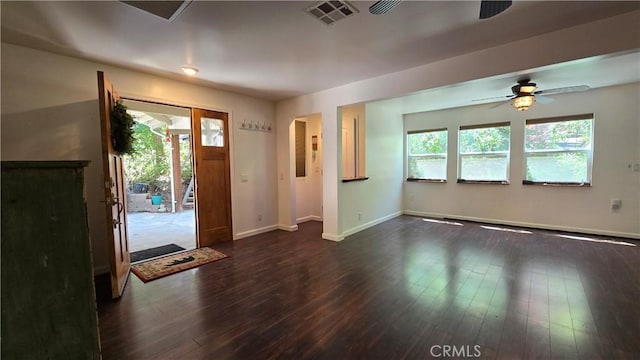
[(159, 181), (307, 135)]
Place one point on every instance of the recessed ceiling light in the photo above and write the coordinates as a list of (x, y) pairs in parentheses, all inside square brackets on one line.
[(190, 70)]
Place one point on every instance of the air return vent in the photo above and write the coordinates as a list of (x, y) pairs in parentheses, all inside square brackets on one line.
[(331, 11), (383, 6), (168, 10)]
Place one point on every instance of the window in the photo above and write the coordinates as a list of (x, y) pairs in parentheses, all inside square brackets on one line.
[(559, 150), (484, 153), (212, 132), (301, 148), (427, 155)]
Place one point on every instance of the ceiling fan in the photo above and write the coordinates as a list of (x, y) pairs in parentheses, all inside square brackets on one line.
[(525, 94), (488, 8)]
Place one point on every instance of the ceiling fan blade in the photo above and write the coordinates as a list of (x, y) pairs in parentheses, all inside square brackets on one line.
[(383, 6), (495, 98), (499, 104), (490, 8), (562, 90), (544, 99)]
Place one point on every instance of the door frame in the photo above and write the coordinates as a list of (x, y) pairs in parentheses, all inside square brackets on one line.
[(309, 163), (192, 107)]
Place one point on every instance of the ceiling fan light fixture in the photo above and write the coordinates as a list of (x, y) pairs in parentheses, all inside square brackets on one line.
[(524, 102), (528, 88), (190, 70)]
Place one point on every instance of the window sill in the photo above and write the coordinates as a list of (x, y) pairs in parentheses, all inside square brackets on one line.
[(558, 184), (355, 179), (438, 181), (494, 182)]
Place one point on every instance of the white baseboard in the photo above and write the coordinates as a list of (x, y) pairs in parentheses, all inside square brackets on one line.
[(308, 218), (261, 230), (370, 224), (526, 224), (332, 237), (287, 227)]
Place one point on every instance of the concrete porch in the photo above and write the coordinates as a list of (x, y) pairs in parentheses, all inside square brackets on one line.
[(148, 230)]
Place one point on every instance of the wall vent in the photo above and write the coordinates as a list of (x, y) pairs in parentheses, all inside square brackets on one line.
[(329, 12), (383, 6)]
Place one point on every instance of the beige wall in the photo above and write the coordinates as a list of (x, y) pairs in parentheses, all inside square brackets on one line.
[(50, 112)]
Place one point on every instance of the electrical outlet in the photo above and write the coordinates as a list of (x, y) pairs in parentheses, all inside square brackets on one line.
[(359, 216), (616, 204), (259, 217)]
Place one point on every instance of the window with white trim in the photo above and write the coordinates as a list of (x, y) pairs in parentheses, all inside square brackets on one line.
[(427, 155), (559, 150), (483, 153)]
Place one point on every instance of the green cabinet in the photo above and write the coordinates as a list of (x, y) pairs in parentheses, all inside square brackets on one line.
[(47, 292)]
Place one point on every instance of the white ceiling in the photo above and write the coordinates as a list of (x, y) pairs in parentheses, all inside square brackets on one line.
[(274, 50), (595, 72)]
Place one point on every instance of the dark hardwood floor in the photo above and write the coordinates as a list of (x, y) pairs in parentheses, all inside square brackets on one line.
[(407, 288)]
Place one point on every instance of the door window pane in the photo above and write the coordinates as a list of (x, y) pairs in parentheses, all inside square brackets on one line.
[(212, 132)]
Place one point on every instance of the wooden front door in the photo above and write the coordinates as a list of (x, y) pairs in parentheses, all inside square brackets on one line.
[(212, 175), (115, 193)]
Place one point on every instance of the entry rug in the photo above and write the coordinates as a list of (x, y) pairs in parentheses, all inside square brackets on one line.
[(154, 252), (157, 268)]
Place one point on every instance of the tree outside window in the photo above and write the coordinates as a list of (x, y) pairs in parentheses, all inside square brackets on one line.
[(559, 150), (484, 152), (427, 155)]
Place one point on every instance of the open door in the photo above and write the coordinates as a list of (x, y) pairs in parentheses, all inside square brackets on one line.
[(212, 175), (115, 192)]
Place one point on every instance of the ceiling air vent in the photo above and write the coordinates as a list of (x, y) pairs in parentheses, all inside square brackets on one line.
[(383, 6), (168, 10), (331, 11)]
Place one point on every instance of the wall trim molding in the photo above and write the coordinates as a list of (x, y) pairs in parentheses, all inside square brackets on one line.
[(257, 231), (309, 218), (332, 237), (370, 224), (526, 224), (287, 227)]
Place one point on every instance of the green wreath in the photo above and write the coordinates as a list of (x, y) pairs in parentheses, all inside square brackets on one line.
[(122, 130)]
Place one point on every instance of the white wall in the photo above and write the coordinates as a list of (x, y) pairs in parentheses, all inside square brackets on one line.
[(309, 188), (616, 145), (50, 112), (615, 34), (369, 202)]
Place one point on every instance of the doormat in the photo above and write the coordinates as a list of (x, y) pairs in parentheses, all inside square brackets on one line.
[(154, 252), (171, 264)]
